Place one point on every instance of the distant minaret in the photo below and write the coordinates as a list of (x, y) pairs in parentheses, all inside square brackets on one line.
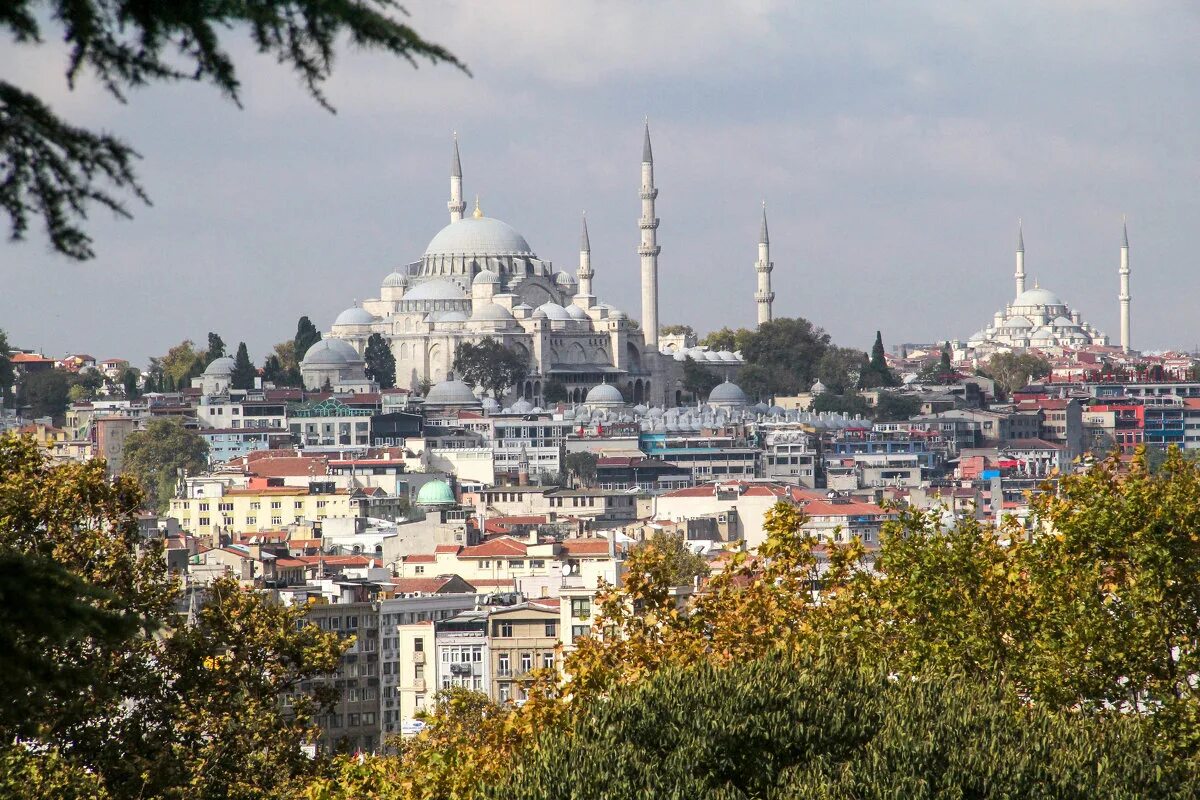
[(1020, 275), (584, 274), (456, 204), (1124, 296), (764, 296), (648, 250)]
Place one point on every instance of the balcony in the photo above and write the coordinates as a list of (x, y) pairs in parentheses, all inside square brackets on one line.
[(418, 656), (418, 684), (504, 672)]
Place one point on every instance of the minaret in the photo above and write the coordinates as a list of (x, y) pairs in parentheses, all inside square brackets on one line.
[(1020, 275), (648, 250), (584, 275), (1124, 296), (764, 296), (456, 204)]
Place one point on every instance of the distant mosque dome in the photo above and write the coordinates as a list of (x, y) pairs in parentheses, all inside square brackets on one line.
[(485, 277), (1037, 296), (220, 367), (396, 279), (478, 236), (355, 315), (328, 352), (553, 311), (575, 312), (818, 388), (604, 395), (451, 393), (728, 395), (436, 493)]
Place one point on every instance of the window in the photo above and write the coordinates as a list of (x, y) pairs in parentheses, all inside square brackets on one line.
[(419, 672), (276, 504), (526, 662), (204, 506), (251, 520), (255, 506), (419, 646), (203, 521), (547, 660), (581, 607), (368, 718), (276, 520), (504, 630), (298, 505), (503, 665), (537, 563), (551, 629), (505, 692), (485, 565), (580, 630), (419, 570), (516, 564)]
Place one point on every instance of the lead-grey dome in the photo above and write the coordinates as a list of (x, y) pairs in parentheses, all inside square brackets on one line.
[(451, 393), (482, 236), (354, 316), (491, 312), (553, 311), (395, 279), (575, 312), (728, 394), (604, 395), (485, 276), (329, 352), (220, 366)]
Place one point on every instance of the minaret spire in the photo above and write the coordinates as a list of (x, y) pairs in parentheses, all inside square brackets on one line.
[(648, 250), (456, 204), (1020, 274), (584, 274), (1124, 295), (764, 296)]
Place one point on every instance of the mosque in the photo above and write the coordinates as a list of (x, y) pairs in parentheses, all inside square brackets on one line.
[(479, 277), (1037, 318)]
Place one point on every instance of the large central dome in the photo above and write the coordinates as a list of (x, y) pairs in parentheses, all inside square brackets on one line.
[(481, 236)]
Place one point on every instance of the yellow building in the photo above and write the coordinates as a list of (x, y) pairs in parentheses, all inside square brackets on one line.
[(234, 511)]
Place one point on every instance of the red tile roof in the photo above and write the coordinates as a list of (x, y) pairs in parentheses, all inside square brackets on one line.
[(420, 558), (426, 585), (585, 547), (496, 548)]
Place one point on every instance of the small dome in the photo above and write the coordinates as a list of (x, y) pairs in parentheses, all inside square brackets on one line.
[(396, 279), (220, 366), (451, 393), (1014, 323), (604, 395), (680, 356), (330, 352), (710, 355), (1064, 322), (575, 312), (728, 394), (436, 493), (553, 311), (564, 279), (490, 405), (522, 406), (437, 289), (618, 314), (491, 312), (725, 355), (485, 277), (818, 388), (478, 236), (354, 316), (538, 313)]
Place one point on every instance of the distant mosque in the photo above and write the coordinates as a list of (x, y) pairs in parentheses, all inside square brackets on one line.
[(1037, 318), (480, 278)]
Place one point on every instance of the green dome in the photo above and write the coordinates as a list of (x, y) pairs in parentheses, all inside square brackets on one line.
[(436, 493)]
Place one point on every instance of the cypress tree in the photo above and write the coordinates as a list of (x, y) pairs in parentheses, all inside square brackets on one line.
[(306, 336), (244, 372), (380, 363)]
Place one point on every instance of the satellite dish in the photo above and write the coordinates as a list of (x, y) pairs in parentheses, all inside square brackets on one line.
[(565, 569)]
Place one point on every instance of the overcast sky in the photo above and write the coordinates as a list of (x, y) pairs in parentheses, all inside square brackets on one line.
[(896, 145)]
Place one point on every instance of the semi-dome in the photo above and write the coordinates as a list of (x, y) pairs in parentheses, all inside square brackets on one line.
[(436, 493), (728, 394), (451, 393), (1036, 296), (395, 279), (553, 311), (220, 366), (355, 315), (436, 290), (1017, 322), (491, 312), (485, 277), (452, 316), (478, 236), (604, 395), (575, 312)]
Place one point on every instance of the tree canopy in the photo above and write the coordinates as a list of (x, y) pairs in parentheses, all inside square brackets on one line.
[(1011, 371), (45, 393), (56, 172), (306, 336), (877, 373), (790, 351), (489, 364), (380, 362), (698, 379), (244, 371), (156, 454)]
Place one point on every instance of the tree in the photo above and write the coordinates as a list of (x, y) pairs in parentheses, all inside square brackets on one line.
[(178, 364), (554, 391), (893, 407), (684, 565), (755, 381), (7, 374), (216, 348), (676, 330), (381, 363), (727, 339), (842, 369), (157, 454), (244, 372), (582, 466), (129, 383), (850, 404), (54, 171), (789, 350), (877, 372), (280, 367), (698, 379), (489, 364), (1012, 371), (46, 393), (306, 336)]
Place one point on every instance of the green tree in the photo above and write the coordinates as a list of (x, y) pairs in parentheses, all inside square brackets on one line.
[(582, 467), (52, 170), (755, 381), (45, 393), (683, 564), (244, 372), (789, 350), (129, 383), (7, 374), (1011, 371), (489, 364), (676, 330), (698, 379), (157, 454), (381, 363), (892, 407), (877, 373), (841, 369), (216, 348), (727, 339), (554, 391), (850, 404), (306, 336), (179, 364)]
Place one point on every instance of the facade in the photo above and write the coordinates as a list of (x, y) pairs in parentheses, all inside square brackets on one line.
[(353, 723), (521, 640)]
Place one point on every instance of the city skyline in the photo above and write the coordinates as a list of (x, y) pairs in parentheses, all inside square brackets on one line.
[(894, 158)]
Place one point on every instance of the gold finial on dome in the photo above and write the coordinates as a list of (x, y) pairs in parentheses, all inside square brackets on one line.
[(478, 212)]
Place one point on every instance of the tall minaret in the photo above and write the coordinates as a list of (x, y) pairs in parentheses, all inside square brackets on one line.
[(1020, 275), (584, 274), (764, 296), (648, 250), (456, 204), (1124, 296)]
